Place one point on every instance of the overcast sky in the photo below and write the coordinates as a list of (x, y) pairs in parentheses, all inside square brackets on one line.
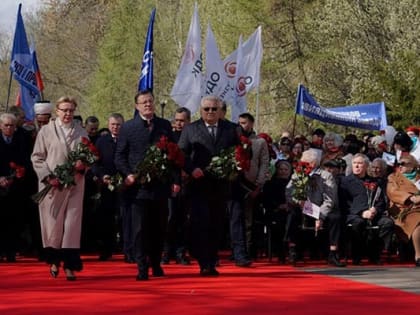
[(8, 12)]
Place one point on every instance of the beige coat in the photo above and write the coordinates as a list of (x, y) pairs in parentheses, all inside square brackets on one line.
[(61, 210), (399, 189)]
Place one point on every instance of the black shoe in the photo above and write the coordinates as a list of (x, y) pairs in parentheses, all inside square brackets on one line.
[(129, 259), (209, 272), (54, 271), (183, 260), (104, 257), (376, 261), (357, 261), (142, 277), (70, 275), (158, 272), (334, 260), (418, 262), (165, 259), (292, 256), (243, 263)]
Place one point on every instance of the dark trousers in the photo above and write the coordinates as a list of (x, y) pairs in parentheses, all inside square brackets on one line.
[(10, 225), (149, 218), (106, 222), (69, 256), (207, 218), (126, 226), (177, 230), (371, 240)]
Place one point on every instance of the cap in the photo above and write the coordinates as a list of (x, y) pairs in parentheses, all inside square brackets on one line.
[(43, 108), (377, 140)]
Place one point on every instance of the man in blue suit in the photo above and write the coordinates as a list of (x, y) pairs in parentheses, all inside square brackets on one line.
[(202, 140), (149, 201)]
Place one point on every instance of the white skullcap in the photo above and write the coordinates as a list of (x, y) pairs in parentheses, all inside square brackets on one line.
[(43, 108)]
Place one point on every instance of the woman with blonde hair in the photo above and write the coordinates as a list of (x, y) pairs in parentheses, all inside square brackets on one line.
[(403, 191)]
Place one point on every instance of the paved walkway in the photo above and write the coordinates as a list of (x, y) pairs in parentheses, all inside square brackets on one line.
[(405, 278)]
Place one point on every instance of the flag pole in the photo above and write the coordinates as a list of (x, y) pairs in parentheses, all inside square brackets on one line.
[(257, 109), (8, 91)]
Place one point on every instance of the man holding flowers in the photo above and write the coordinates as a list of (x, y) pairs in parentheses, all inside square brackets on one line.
[(138, 157), (201, 141)]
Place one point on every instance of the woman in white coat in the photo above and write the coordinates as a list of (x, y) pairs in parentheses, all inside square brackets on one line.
[(61, 209)]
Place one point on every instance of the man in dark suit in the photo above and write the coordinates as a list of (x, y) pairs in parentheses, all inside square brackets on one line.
[(109, 204), (149, 201), (202, 140), (14, 147)]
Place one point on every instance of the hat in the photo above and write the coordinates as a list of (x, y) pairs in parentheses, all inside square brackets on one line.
[(43, 108), (377, 140), (413, 129)]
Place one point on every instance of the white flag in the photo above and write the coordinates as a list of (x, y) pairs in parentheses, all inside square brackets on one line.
[(187, 87), (239, 104), (215, 82), (252, 52)]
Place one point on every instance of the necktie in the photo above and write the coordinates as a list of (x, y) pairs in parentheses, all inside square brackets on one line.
[(8, 140), (212, 132)]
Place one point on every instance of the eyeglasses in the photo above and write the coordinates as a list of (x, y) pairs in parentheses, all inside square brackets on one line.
[(404, 164), (67, 111), (210, 109)]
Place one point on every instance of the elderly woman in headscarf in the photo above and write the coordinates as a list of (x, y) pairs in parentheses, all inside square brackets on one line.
[(404, 195)]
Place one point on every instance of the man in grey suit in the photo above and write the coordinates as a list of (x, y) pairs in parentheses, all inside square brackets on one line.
[(202, 140), (148, 201)]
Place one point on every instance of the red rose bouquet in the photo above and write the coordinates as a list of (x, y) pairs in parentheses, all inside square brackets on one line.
[(83, 156), (300, 179), (160, 162), (16, 172), (231, 161)]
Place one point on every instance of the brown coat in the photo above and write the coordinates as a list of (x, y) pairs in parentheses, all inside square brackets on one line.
[(61, 210), (406, 215)]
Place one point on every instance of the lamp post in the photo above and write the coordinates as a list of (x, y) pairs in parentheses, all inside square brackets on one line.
[(162, 106)]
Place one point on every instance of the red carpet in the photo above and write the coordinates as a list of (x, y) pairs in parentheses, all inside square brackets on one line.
[(110, 288)]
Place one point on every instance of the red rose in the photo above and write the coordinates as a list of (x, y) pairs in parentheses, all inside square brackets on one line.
[(85, 141)]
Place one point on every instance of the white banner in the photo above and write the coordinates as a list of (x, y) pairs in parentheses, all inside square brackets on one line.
[(187, 87), (216, 82), (239, 104)]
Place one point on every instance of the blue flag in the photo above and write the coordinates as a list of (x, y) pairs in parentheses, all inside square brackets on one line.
[(365, 116), (146, 74), (22, 67)]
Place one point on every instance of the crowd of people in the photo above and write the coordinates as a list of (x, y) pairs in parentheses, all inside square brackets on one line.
[(358, 196)]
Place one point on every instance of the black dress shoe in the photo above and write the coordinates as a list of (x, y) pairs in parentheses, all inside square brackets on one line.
[(334, 260), (243, 263), (142, 277), (418, 262), (158, 272), (292, 255), (209, 272), (183, 260), (54, 271), (70, 275)]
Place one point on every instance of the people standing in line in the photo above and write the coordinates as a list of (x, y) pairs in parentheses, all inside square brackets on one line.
[(15, 151), (201, 141), (61, 210), (43, 111), (109, 204), (246, 190), (148, 201), (176, 238), (90, 229)]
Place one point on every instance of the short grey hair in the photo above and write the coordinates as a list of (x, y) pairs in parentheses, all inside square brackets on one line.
[(363, 156), (10, 116), (312, 155), (211, 98)]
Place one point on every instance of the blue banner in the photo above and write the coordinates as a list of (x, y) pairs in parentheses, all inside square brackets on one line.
[(146, 74), (22, 68), (365, 116)]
